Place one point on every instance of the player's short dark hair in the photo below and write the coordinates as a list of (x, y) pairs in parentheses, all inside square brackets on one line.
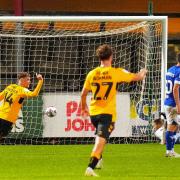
[(178, 57), (104, 52), (158, 121), (23, 75)]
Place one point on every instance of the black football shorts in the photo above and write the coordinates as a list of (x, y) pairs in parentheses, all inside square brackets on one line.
[(103, 124), (5, 127)]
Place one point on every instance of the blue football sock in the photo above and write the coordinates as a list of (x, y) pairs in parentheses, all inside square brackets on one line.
[(169, 140), (174, 140)]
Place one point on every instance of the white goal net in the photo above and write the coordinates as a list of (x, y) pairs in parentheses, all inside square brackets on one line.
[(63, 51)]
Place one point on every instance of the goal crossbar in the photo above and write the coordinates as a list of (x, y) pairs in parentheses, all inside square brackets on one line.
[(82, 18)]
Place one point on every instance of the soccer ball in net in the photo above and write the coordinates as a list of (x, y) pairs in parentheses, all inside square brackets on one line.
[(51, 111)]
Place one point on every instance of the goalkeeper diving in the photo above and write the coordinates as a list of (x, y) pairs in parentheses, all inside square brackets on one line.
[(160, 127), (12, 98)]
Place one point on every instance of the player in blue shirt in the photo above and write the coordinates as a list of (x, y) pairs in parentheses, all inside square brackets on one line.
[(172, 106)]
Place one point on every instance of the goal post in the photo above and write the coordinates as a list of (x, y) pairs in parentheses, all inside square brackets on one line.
[(62, 49)]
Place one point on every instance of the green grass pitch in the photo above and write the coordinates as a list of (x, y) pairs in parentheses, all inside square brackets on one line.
[(123, 161)]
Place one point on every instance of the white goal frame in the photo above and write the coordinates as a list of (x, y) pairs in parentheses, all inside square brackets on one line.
[(151, 33)]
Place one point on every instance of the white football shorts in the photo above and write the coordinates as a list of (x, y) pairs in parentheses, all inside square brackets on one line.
[(171, 115)]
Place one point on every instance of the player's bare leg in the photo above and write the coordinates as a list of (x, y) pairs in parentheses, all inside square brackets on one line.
[(99, 145)]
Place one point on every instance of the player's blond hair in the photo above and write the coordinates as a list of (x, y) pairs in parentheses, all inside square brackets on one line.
[(23, 75)]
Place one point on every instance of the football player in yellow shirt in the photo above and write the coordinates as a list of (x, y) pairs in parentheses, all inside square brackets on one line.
[(13, 97), (102, 82)]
